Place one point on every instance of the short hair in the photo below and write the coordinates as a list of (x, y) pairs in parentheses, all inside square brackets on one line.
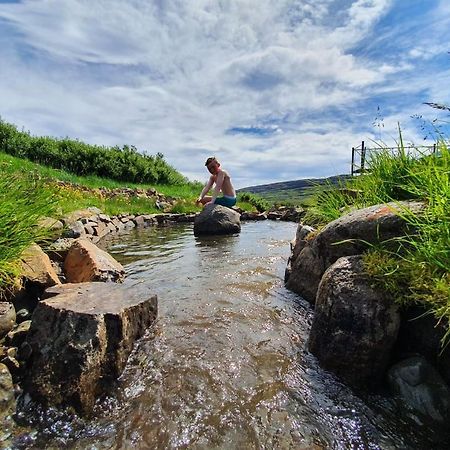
[(210, 160)]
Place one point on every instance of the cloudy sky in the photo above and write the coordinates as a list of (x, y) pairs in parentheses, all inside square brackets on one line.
[(276, 89)]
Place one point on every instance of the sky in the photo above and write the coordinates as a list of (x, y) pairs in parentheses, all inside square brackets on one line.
[(277, 90)]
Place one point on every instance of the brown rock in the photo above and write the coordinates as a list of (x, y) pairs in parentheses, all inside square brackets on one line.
[(81, 339), (86, 262), (37, 267)]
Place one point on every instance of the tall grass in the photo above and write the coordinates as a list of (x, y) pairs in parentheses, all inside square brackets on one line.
[(24, 200), (419, 272)]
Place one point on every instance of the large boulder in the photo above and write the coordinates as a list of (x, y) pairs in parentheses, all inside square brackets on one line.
[(217, 219), (86, 262), (348, 235), (81, 338), (421, 387), (354, 326)]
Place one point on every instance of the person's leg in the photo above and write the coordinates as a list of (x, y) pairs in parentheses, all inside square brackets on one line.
[(205, 200)]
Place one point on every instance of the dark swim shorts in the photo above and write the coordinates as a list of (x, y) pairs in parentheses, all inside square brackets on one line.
[(225, 201)]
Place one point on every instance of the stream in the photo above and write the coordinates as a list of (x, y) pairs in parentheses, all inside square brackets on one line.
[(225, 366)]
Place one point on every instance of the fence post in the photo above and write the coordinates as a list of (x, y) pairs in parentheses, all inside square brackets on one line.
[(353, 161), (363, 156)]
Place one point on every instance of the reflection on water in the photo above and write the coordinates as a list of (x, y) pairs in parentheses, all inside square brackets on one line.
[(225, 365)]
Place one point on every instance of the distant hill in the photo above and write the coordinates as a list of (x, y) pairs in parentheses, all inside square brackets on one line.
[(293, 192)]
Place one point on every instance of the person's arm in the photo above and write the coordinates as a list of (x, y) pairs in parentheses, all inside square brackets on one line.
[(218, 186), (205, 189)]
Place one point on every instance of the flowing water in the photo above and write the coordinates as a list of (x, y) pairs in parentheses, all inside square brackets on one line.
[(225, 365)]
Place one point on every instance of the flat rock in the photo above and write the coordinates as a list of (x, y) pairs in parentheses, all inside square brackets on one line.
[(81, 337)]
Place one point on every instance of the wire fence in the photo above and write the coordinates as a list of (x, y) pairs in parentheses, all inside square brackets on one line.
[(362, 154)]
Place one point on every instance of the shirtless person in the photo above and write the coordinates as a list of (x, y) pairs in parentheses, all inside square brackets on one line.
[(222, 181)]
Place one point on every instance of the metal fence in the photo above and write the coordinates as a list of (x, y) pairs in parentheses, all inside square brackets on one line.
[(361, 154)]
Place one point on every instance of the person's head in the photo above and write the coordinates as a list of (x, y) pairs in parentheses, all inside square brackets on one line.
[(212, 165)]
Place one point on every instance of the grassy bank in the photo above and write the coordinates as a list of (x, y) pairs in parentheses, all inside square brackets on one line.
[(123, 164), (419, 272)]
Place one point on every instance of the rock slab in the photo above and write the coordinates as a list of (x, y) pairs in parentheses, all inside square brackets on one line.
[(81, 339), (355, 325), (217, 219)]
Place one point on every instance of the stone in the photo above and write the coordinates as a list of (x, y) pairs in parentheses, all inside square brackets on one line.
[(74, 230), (86, 262), (57, 250), (79, 214), (348, 235), (17, 336), (301, 238), (354, 326), (37, 267), (7, 318), (421, 387), (217, 219), (51, 224), (422, 334), (81, 337), (7, 400)]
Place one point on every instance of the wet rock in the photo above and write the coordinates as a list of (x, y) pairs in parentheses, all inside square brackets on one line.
[(81, 339), (354, 326), (345, 236), (217, 219), (22, 315), (422, 388), (86, 262), (7, 318), (253, 216), (7, 400), (37, 267), (422, 334), (302, 235)]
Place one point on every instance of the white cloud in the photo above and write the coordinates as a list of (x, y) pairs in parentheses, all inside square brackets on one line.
[(174, 76)]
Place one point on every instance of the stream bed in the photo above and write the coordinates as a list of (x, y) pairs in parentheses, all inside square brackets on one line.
[(225, 366)]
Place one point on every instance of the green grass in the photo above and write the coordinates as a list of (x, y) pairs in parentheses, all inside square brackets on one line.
[(122, 164), (419, 272), (24, 200)]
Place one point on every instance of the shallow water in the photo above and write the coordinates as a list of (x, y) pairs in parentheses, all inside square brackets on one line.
[(225, 365)]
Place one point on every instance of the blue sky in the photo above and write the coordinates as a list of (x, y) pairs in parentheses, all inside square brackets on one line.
[(277, 90)]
